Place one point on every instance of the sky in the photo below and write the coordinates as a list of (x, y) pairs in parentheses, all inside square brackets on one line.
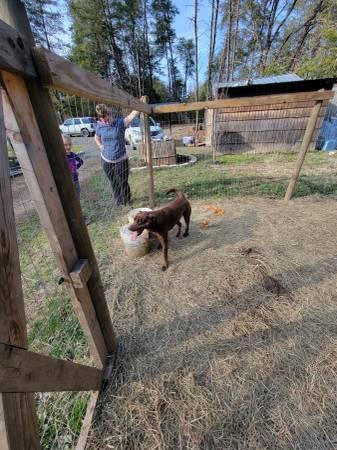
[(184, 27)]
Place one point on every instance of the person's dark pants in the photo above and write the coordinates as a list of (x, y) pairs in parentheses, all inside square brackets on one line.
[(118, 174)]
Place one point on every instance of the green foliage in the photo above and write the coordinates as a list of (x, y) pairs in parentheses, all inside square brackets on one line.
[(46, 22)]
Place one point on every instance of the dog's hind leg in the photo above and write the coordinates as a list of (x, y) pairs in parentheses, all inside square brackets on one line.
[(179, 231), (187, 216)]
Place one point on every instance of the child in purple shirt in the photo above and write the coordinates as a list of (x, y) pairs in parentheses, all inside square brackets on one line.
[(74, 163)]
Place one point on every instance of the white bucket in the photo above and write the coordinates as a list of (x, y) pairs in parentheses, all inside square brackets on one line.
[(137, 248)]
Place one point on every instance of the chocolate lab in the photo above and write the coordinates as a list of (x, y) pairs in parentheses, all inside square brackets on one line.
[(161, 221)]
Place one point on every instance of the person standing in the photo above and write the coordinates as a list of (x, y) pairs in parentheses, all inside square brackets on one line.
[(110, 137)]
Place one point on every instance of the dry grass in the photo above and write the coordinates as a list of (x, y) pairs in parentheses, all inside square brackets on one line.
[(209, 356)]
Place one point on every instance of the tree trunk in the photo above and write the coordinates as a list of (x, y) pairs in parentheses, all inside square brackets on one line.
[(147, 46), (235, 40), (44, 26), (196, 62), (210, 54), (229, 38)]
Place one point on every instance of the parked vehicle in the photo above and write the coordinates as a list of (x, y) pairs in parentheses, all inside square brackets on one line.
[(133, 134), (79, 126)]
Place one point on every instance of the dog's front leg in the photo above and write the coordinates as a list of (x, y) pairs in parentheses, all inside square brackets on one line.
[(164, 243)]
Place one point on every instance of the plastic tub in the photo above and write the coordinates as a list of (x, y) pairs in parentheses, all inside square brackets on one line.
[(187, 140), (137, 248)]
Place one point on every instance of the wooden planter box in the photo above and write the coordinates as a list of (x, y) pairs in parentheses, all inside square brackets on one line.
[(163, 153)]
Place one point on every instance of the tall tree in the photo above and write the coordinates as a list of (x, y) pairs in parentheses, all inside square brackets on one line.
[(46, 22), (164, 13), (196, 49), (212, 44), (185, 50)]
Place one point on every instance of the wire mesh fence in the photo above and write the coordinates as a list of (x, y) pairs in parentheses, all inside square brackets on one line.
[(202, 158)]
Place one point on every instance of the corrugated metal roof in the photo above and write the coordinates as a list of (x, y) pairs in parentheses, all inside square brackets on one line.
[(286, 78)]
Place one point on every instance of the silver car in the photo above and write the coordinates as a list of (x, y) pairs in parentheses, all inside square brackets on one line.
[(133, 134), (79, 126)]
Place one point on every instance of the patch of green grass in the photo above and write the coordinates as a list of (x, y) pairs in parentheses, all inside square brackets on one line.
[(207, 180), (312, 158), (77, 148)]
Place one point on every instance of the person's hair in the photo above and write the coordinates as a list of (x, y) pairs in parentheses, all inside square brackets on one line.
[(101, 110), (65, 137), (104, 111)]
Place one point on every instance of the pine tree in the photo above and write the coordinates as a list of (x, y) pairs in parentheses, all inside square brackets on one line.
[(163, 13), (185, 50), (46, 22)]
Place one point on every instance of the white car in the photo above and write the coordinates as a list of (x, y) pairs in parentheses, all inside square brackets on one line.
[(81, 126), (133, 134)]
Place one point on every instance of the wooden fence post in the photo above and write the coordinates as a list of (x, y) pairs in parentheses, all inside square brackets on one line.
[(18, 422), (309, 131), (148, 152), (53, 145)]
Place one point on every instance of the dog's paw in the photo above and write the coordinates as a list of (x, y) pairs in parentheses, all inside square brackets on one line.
[(185, 234), (163, 268)]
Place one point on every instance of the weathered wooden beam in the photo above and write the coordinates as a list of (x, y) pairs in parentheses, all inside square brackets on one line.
[(18, 424), (53, 145), (27, 142), (80, 274), (15, 53), (60, 73), (25, 371), (241, 101), (303, 150), (87, 421)]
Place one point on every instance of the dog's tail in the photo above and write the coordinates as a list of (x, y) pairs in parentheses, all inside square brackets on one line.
[(179, 192)]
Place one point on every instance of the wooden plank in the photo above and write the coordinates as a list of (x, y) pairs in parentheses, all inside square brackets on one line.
[(148, 152), (86, 425), (25, 371), (303, 150), (259, 126), (260, 116), (59, 73), (15, 51), (18, 424), (242, 101), (80, 273), (29, 148), (273, 106), (249, 137), (12, 315), (53, 145)]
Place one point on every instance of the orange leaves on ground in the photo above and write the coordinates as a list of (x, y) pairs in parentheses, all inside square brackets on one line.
[(214, 209), (204, 224)]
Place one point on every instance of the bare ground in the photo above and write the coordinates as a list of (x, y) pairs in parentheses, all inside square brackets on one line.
[(234, 347)]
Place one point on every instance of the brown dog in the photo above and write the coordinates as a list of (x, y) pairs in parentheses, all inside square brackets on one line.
[(161, 221)]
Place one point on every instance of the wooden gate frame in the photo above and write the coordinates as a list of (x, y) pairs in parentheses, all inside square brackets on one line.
[(28, 118)]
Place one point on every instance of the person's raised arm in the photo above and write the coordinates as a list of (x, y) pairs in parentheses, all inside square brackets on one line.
[(128, 119)]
